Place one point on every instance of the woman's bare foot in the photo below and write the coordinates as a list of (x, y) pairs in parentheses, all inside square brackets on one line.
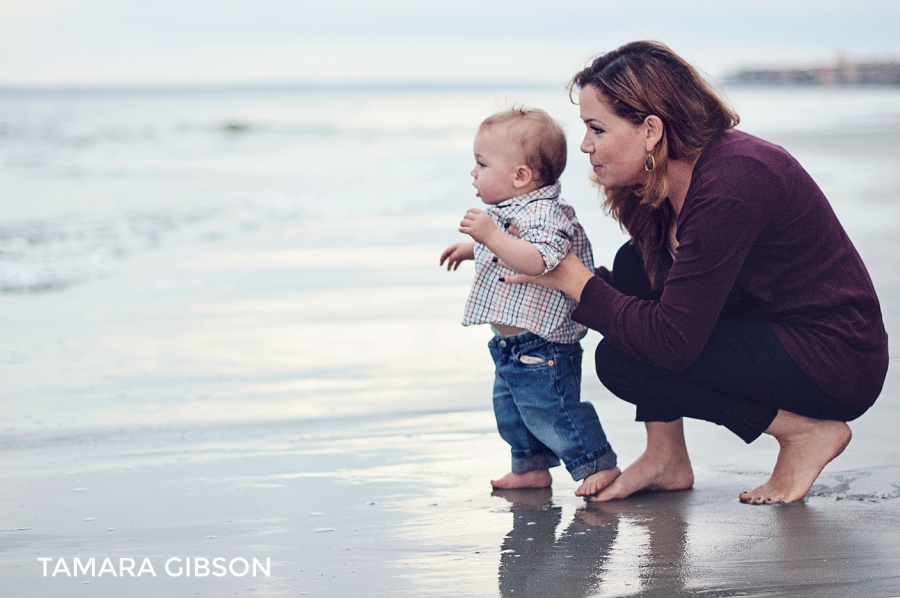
[(538, 478), (665, 465), (649, 472), (596, 482), (807, 446)]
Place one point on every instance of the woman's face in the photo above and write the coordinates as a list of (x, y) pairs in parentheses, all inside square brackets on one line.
[(617, 148)]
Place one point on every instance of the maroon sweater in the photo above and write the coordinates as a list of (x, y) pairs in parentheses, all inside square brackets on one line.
[(758, 240)]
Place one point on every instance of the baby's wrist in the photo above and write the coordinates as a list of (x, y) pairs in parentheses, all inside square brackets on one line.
[(492, 238)]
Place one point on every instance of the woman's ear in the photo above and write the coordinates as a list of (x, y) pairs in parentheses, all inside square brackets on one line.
[(523, 176), (654, 131)]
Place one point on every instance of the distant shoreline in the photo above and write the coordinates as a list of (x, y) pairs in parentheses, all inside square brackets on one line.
[(842, 74)]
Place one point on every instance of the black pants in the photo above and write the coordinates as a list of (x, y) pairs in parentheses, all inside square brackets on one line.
[(740, 380)]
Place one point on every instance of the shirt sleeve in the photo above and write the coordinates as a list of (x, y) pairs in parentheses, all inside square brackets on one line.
[(544, 224), (720, 221)]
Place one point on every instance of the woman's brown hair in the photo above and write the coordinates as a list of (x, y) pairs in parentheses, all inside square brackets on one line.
[(646, 78)]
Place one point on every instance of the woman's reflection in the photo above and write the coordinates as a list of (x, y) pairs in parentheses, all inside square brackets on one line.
[(534, 562)]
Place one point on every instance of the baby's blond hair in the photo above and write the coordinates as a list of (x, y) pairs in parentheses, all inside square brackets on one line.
[(541, 140)]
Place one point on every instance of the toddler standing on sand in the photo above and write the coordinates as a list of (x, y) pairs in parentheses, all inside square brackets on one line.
[(519, 156)]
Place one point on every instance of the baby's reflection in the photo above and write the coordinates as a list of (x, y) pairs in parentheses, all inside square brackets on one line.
[(533, 562)]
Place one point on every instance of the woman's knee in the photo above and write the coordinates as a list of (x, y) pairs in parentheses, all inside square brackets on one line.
[(616, 371), (638, 383)]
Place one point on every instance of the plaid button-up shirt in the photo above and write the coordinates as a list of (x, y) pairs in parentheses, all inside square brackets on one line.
[(548, 223)]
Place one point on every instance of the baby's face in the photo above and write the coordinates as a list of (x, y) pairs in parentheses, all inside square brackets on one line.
[(496, 160)]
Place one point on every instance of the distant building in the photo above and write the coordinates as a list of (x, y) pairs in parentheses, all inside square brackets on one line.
[(843, 73)]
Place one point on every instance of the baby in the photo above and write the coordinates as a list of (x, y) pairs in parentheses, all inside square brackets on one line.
[(519, 156)]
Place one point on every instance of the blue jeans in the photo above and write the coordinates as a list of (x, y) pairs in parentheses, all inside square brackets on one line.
[(537, 403)]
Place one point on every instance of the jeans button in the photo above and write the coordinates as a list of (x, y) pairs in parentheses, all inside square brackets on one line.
[(503, 344)]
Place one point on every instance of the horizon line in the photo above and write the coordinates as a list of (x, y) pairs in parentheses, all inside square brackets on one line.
[(311, 86)]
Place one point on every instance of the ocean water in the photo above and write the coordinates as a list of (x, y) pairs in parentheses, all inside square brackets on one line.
[(169, 257)]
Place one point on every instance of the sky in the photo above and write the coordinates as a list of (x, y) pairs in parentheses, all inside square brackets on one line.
[(199, 42)]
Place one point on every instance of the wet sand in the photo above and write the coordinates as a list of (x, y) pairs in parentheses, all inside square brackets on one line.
[(401, 506)]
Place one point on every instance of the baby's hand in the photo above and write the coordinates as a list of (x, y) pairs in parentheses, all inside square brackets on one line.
[(478, 225), (456, 254)]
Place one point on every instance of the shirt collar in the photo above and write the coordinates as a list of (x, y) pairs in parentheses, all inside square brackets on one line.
[(546, 192)]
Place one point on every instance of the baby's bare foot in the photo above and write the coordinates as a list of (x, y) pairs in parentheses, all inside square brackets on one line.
[(801, 459), (596, 482), (538, 478)]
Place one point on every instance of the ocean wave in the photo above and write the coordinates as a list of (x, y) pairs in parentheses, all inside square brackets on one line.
[(51, 255)]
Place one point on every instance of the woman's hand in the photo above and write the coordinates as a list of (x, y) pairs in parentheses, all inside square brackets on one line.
[(569, 276)]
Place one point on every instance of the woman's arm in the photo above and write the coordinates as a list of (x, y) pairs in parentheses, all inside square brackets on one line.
[(717, 229), (716, 233)]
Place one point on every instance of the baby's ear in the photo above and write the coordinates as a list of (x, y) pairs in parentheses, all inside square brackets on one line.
[(523, 176)]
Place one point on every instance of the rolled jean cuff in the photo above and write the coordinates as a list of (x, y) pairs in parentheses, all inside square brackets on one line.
[(592, 463), (526, 463)]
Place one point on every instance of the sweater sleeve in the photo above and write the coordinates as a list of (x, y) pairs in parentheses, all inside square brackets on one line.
[(722, 216)]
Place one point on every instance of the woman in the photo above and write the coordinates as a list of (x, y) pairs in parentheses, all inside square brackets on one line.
[(739, 299)]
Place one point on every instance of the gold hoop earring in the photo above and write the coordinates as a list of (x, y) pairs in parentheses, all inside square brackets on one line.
[(649, 163)]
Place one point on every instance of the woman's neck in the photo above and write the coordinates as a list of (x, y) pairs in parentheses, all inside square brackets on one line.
[(679, 173)]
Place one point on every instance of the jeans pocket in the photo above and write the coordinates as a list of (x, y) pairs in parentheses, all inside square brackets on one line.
[(531, 359), (538, 357)]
